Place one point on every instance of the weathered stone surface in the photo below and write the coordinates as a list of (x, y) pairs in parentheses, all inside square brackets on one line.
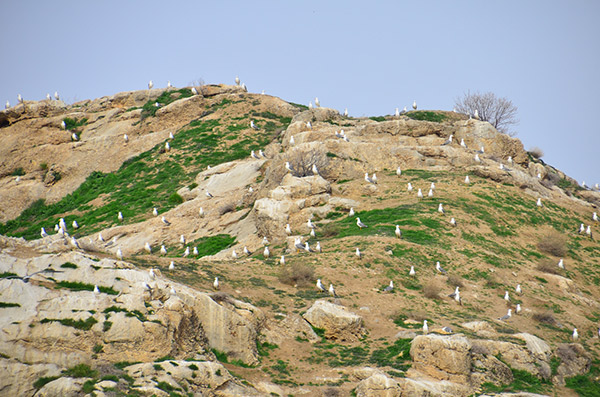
[(291, 327), (17, 378), (378, 384), (442, 357), (574, 360), (338, 323), (67, 387), (431, 388)]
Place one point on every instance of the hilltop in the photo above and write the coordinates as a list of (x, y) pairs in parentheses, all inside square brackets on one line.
[(267, 329)]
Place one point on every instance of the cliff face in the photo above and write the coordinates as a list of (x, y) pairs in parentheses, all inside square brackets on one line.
[(188, 156)]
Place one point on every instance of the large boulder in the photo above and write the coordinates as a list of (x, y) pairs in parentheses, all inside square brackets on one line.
[(378, 384), (338, 323), (442, 357), (574, 360)]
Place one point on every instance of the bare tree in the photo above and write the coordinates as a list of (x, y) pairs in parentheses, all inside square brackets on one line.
[(302, 162), (499, 112)]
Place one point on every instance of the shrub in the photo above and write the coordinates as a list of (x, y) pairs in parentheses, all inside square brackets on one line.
[(548, 266), (229, 207), (553, 243), (455, 281), (298, 274), (41, 382), (175, 199), (544, 317), (536, 152), (302, 162), (431, 290), (18, 172), (81, 371)]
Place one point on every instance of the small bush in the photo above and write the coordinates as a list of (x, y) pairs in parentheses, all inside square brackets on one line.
[(98, 348), (41, 382), (68, 265), (229, 207), (81, 371), (18, 172), (192, 186), (455, 281), (175, 199), (302, 162), (536, 152), (553, 243), (548, 266), (298, 274), (43, 166), (431, 290), (544, 317)]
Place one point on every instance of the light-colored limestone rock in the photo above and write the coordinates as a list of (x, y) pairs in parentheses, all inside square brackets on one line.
[(338, 323)]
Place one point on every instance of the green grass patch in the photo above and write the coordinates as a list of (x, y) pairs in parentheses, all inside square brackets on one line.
[(41, 382), (69, 265), (425, 115), (72, 124), (84, 325), (80, 371), (9, 304), (78, 286)]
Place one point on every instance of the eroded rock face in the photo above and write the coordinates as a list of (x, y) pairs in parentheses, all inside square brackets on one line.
[(574, 360), (442, 357), (378, 384), (338, 323), (138, 324)]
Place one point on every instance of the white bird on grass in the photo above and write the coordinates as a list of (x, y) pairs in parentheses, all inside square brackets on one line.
[(351, 212), (186, 252), (332, 291), (167, 146), (120, 216), (74, 137), (216, 283), (374, 177), (506, 316), (155, 211), (439, 268), (252, 125), (172, 265), (267, 253), (453, 221), (425, 327), (171, 136), (430, 194), (588, 231), (409, 187), (96, 289), (595, 216), (282, 260), (148, 248), (398, 231), (412, 271), (75, 225), (247, 251), (163, 250), (195, 251), (390, 287), (581, 228), (539, 202), (398, 171), (467, 180), (307, 247), (360, 224), (43, 233), (310, 224), (441, 209), (312, 233), (518, 308), (320, 286), (575, 334), (318, 247), (506, 297), (419, 194), (518, 289)]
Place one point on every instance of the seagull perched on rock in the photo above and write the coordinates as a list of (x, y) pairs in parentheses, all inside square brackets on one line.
[(148, 248), (346, 112), (320, 286), (448, 141), (74, 137), (186, 252), (463, 144), (390, 287), (467, 180), (7, 105), (477, 159), (318, 247), (265, 241), (575, 334), (201, 212), (506, 297), (195, 251), (163, 250), (309, 125), (216, 283), (317, 103), (247, 251), (292, 141), (194, 91), (595, 217), (126, 138), (171, 136), (506, 316), (581, 228), (151, 273), (267, 253), (254, 155), (561, 264), (43, 233), (282, 260), (518, 308), (397, 112), (315, 170), (312, 233), (288, 229), (298, 244), (439, 268), (165, 221), (351, 212), (518, 289), (360, 224), (119, 254), (234, 254), (208, 194), (398, 171), (425, 327), (74, 243), (288, 167), (358, 253), (310, 224), (120, 216), (481, 150), (441, 209), (398, 231), (414, 105), (332, 291)]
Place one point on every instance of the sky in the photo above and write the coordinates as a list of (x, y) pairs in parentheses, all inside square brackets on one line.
[(369, 57)]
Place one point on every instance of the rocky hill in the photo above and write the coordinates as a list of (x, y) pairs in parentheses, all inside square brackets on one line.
[(159, 196)]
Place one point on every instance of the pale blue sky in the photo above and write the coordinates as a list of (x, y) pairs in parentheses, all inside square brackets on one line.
[(370, 57)]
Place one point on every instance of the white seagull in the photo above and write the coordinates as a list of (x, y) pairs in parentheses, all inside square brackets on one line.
[(315, 170), (518, 289), (414, 105), (267, 253), (575, 334), (367, 179), (439, 268), (318, 247), (358, 253), (463, 144), (346, 112), (120, 216), (351, 212), (165, 221), (409, 187), (539, 202), (288, 230), (150, 85), (398, 231), (172, 265), (252, 125), (163, 250), (194, 91), (216, 283), (155, 211), (282, 260), (201, 212), (507, 316), (561, 264), (477, 159), (441, 209), (43, 233), (398, 171), (317, 103), (412, 271), (307, 247), (506, 297), (208, 194), (390, 287), (148, 248), (195, 251), (430, 194), (237, 80), (425, 327), (125, 138), (332, 290), (96, 289), (186, 252), (448, 141), (320, 286), (467, 180), (518, 308), (167, 146), (420, 194), (119, 254), (292, 141), (453, 221), (397, 112), (234, 254), (247, 251), (360, 224)]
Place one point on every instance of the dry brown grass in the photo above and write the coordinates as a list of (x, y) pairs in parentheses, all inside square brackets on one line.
[(455, 281), (225, 208), (536, 152), (548, 266), (297, 274), (553, 243), (544, 317), (431, 290)]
